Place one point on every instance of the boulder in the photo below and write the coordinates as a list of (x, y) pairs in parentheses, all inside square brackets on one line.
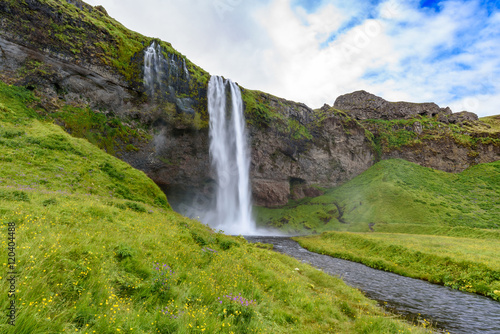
[(462, 117)]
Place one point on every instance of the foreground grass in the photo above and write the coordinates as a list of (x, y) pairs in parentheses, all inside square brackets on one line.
[(467, 264), (109, 270), (98, 250), (394, 193)]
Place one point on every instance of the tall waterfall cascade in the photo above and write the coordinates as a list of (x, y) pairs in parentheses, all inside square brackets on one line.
[(232, 211), (228, 207)]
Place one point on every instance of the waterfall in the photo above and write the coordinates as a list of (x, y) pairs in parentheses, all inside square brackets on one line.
[(186, 72), (230, 158), (153, 59), (166, 75)]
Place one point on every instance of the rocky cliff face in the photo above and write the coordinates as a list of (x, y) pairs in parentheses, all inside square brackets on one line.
[(423, 133), (70, 53), (446, 155), (69, 50), (362, 105), (73, 54), (302, 149)]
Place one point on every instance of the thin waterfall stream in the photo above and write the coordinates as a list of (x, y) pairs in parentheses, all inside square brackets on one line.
[(153, 61)]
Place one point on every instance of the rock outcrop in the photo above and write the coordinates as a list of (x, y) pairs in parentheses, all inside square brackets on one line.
[(362, 105), (446, 154), (462, 117), (333, 150), (55, 79)]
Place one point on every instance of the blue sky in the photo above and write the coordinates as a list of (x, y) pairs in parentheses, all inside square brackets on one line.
[(312, 51)]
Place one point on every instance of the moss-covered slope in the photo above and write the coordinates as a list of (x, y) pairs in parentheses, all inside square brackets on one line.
[(39, 156), (399, 196)]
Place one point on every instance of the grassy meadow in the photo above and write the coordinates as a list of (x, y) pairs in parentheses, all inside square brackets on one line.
[(98, 250)]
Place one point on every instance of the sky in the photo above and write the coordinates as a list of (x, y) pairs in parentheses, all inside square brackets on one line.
[(312, 51)]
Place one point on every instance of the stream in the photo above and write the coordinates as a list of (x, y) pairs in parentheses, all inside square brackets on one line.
[(451, 310)]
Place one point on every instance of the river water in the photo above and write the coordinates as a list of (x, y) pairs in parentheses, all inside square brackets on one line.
[(448, 309)]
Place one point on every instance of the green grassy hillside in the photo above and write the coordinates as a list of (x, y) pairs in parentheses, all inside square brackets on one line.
[(489, 124), (37, 156), (98, 250), (400, 196)]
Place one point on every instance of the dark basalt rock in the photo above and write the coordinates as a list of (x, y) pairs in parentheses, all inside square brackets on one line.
[(81, 5), (363, 105)]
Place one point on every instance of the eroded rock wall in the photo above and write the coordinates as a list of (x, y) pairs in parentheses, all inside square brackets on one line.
[(337, 151)]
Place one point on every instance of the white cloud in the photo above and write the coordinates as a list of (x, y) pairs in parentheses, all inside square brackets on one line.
[(394, 50)]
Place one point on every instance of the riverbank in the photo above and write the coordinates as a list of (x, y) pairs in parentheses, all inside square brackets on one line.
[(466, 264), (448, 310)]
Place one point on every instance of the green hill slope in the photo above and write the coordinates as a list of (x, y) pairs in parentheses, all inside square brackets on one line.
[(37, 156), (399, 196), (98, 250)]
